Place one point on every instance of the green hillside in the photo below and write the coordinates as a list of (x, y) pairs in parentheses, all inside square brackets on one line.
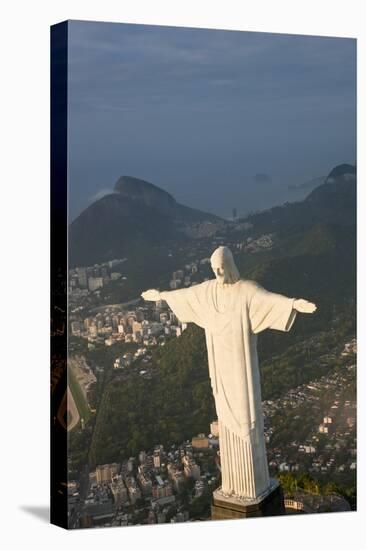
[(136, 413)]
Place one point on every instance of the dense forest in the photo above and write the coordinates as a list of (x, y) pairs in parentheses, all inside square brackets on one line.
[(137, 413)]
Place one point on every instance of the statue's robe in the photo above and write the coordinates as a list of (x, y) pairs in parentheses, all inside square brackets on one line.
[(231, 338)]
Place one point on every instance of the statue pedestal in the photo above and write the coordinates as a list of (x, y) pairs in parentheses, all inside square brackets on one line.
[(270, 503)]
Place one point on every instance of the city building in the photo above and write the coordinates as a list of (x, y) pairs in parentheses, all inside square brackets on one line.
[(94, 283), (105, 472), (200, 441), (119, 490)]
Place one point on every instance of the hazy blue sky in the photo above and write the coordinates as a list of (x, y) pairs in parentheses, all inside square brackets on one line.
[(201, 112)]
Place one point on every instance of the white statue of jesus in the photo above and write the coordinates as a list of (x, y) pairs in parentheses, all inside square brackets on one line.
[(233, 311)]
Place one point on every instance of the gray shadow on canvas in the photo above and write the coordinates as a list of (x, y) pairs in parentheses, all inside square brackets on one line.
[(40, 512)]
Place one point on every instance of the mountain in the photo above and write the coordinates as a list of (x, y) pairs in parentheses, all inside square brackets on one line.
[(333, 202), (341, 171), (344, 171), (136, 216)]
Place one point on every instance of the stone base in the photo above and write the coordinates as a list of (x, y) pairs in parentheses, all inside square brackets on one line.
[(270, 503)]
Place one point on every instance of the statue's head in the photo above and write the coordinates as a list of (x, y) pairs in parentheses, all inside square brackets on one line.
[(223, 265)]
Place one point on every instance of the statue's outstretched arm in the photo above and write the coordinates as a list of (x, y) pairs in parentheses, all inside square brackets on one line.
[(303, 306), (275, 311), (183, 302), (153, 295)]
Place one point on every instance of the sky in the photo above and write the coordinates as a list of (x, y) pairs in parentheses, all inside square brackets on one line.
[(220, 119)]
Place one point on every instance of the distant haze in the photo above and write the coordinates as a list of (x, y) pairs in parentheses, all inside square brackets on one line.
[(219, 119)]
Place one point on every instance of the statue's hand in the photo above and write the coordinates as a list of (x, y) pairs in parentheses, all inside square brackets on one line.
[(303, 306), (151, 295)]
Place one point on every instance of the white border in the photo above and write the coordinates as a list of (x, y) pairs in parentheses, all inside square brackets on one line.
[(25, 266)]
